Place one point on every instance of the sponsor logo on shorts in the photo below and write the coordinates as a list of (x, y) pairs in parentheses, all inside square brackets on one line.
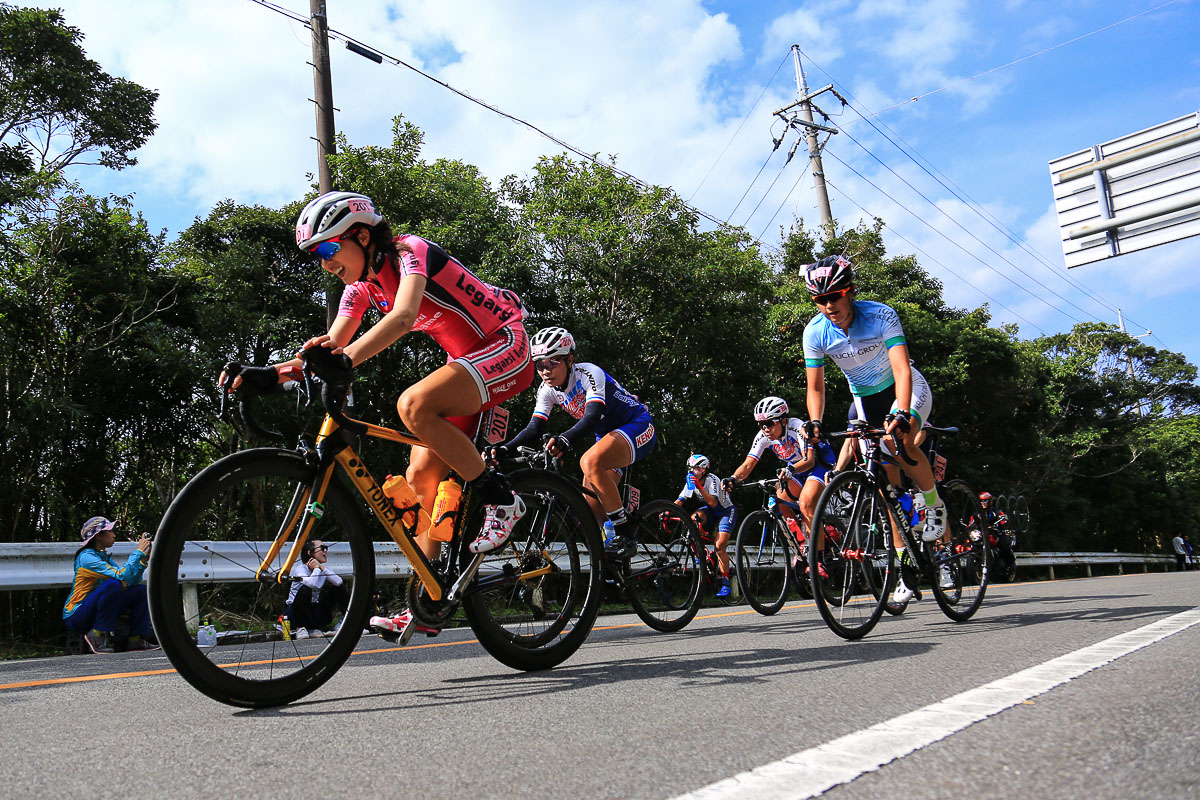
[(646, 436)]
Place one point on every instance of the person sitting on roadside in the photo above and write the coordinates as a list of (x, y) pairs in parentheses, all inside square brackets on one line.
[(102, 591), (317, 591)]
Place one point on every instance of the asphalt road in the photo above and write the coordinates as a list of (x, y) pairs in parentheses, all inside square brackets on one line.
[(637, 713)]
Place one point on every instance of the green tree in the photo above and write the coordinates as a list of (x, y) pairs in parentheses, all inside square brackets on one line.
[(57, 105), (675, 314)]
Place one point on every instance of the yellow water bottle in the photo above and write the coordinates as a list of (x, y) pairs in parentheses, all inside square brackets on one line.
[(405, 499), (445, 510)]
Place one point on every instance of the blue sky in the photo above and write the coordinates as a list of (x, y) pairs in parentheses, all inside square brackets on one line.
[(665, 85)]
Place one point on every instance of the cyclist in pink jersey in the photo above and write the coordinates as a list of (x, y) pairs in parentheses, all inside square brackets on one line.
[(417, 286)]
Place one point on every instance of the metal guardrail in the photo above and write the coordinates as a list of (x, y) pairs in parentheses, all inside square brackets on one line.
[(49, 565)]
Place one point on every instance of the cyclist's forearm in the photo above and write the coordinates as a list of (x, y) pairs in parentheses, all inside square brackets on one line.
[(815, 397), (586, 425), (528, 435)]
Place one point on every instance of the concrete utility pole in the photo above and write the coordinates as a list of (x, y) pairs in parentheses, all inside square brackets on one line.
[(1128, 360), (814, 148), (803, 121), (323, 89)]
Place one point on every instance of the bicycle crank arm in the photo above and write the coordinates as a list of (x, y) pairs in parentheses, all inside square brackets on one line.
[(465, 578)]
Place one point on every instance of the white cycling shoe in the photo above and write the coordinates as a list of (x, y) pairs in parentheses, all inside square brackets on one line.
[(901, 594), (498, 525), (935, 523), (945, 577)]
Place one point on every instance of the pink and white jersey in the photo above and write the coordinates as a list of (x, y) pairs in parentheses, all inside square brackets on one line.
[(458, 309)]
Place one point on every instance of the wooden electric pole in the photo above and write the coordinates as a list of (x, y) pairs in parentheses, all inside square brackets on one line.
[(323, 91)]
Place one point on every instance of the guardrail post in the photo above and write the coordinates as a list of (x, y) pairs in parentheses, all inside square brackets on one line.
[(1089, 570), (191, 606), (1051, 572)]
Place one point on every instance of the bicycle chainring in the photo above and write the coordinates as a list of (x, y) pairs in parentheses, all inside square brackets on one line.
[(424, 609)]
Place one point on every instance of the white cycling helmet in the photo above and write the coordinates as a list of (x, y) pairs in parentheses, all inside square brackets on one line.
[(770, 409), (551, 342), (698, 460), (331, 215)]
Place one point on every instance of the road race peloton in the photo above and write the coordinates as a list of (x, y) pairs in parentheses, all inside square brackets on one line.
[(418, 286), (621, 426), (806, 461), (716, 515), (866, 340)]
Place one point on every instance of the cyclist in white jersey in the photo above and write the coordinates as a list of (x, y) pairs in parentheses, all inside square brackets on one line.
[(717, 514), (622, 427), (866, 341), (806, 462)]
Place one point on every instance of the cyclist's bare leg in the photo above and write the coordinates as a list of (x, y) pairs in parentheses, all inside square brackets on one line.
[(599, 465), (721, 541), (425, 472), (846, 454), (808, 505), (448, 391)]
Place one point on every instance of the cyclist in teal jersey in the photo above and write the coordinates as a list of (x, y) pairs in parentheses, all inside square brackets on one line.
[(866, 340)]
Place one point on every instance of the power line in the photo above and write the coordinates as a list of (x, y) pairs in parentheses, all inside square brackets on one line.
[(931, 258), (944, 236), (975, 206), (963, 228), (752, 182), (371, 52), (766, 86), (803, 172)]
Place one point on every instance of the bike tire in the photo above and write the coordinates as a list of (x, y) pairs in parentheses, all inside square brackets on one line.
[(664, 576), (1021, 513), (968, 556), (762, 556), (537, 623), (864, 558), (245, 498)]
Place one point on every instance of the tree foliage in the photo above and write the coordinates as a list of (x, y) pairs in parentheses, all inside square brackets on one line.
[(113, 337), (57, 105)]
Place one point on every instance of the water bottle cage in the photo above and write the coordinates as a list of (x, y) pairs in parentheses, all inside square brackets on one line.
[(406, 513)]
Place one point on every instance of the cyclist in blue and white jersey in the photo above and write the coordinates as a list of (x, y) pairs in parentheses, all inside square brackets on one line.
[(717, 513), (622, 428), (803, 476), (866, 340)]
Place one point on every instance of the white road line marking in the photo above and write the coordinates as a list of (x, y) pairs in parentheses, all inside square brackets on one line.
[(812, 772)]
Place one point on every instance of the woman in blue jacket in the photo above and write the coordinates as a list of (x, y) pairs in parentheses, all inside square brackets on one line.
[(102, 590)]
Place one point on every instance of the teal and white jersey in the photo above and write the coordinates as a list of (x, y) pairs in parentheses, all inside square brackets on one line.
[(862, 354)]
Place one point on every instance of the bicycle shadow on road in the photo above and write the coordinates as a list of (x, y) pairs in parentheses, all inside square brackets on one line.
[(737, 667)]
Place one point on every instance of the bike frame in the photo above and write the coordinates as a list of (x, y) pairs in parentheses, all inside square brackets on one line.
[(332, 450)]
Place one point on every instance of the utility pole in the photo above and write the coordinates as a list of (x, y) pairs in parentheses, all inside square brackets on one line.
[(814, 149), (1128, 360), (323, 90), (803, 122)]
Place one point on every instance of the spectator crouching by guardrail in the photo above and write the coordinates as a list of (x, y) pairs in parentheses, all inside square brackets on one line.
[(102, 591), (317, 591)]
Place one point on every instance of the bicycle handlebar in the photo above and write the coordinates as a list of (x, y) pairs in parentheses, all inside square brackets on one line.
[(255, 381), (319, 365)]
